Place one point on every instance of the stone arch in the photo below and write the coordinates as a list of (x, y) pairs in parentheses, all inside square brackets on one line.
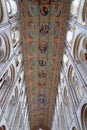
[(12, 106), (4, 47), (6, 81), (76, 87), (76, 46), (79, 48), (12, 69), (73, 82), (84, 117)]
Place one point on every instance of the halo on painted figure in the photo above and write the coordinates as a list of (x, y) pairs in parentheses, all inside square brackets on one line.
[(43, 28), (43, 46), (44, 11)]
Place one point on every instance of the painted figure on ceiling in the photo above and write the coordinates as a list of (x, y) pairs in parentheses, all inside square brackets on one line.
[(42, 84), (44, 29), (42, 61), (42, 74), (44, 11), (43, 46)]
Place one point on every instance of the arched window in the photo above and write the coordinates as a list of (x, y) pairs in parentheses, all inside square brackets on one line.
[(77, 88), (12, 106), (4, 47), (6, 82), (2, 127), (73, 128), (0, 12), (84, 12), (80, 48), (73, 82), (84, 117)]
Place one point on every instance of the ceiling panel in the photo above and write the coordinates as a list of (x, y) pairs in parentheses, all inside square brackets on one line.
[(43, 31)]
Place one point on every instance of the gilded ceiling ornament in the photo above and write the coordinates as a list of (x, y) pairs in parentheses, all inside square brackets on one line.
[(33, 9), (42, 100), (42, 74), (44, 11), (55, 9), (42, 61), (43, 46), (44, 28), (33, 29)]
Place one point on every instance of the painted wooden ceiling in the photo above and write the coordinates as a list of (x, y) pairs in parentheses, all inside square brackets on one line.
[(43, 32)]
